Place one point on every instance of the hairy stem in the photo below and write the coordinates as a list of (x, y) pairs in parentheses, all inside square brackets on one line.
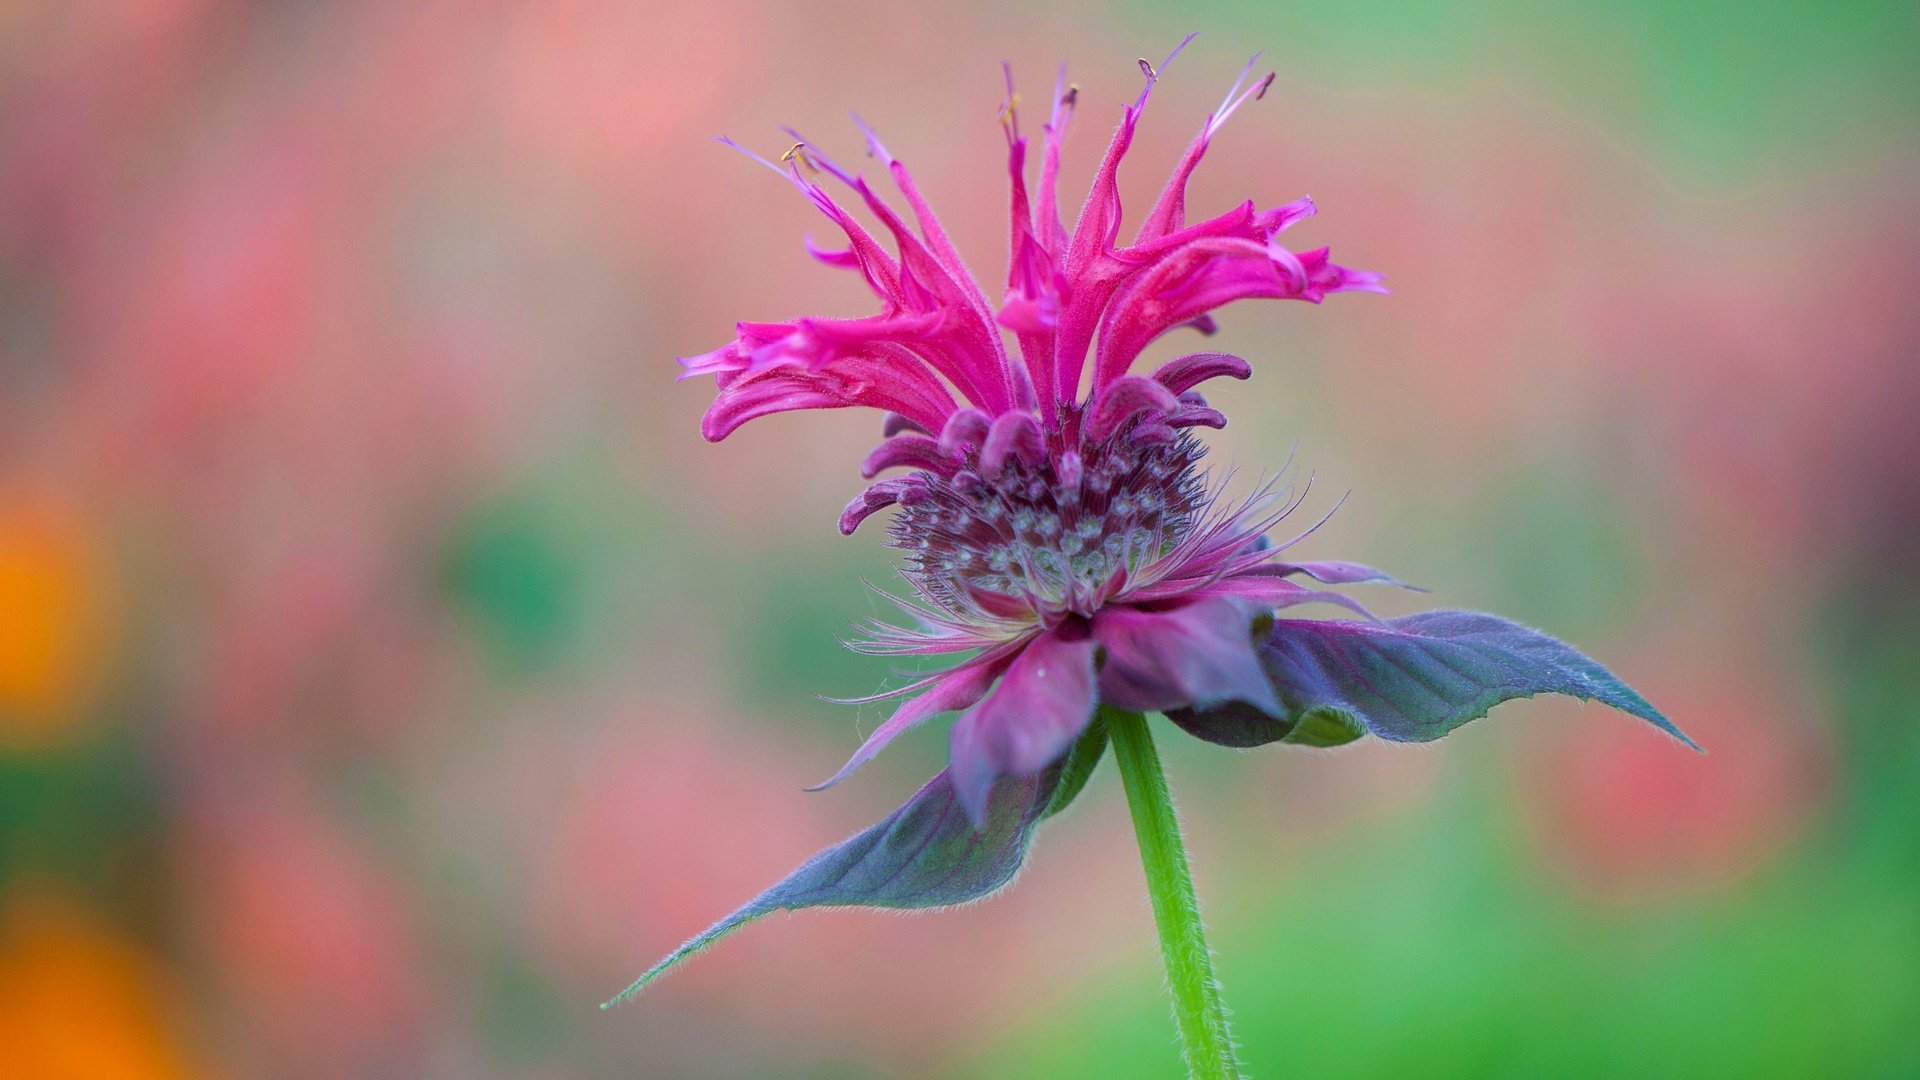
[(1183, 942)]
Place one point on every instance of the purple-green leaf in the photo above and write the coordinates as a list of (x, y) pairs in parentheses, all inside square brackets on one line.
[(926, 854), (1077, 767), (1411, 679)]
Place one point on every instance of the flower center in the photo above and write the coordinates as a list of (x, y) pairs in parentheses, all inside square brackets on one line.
[(1050, 539)]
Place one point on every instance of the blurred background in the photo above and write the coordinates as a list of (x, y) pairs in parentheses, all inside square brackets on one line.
[(389, 673)]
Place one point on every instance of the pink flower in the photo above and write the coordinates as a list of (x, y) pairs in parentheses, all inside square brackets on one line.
[(1069, 542), (1042, 527)]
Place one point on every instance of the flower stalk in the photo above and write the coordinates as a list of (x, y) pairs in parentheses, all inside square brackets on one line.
[(1176, 911)]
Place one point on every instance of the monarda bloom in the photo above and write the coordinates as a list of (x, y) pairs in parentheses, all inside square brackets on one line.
[(1067, 543)]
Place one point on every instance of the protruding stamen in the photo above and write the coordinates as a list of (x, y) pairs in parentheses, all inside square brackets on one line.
[(875, 148), (1237, 97), (908, 451), (1153, 74), (797, 155), (1065, 96)]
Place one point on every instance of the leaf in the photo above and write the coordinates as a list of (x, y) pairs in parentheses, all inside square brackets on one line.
[(1244, 726), (1411, 679), (926, 854), (1078, 766)]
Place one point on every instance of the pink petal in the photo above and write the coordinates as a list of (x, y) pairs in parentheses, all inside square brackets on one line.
[(958, 688), (1200, 653), (1043, 703)]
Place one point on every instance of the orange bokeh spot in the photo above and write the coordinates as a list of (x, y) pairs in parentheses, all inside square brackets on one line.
[(78, 1000), (54, 593)]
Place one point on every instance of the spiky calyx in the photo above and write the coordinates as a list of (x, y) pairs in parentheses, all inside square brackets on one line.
[(1054, 538)]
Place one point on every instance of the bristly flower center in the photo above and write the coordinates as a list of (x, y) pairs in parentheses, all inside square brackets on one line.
[(1054, 538)]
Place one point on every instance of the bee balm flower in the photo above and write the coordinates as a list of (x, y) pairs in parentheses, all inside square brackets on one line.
[(1054, 522)]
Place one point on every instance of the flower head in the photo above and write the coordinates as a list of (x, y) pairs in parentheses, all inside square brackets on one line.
[(1054, 521), (1043, 526)]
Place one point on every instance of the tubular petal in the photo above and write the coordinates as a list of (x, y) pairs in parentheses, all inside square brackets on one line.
[(875, 498), (910, 452), (956, 689), (1125, 399), (1184, 373)]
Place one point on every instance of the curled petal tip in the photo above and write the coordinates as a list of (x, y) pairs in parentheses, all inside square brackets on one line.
[(895, 424), (1125, 398), (874, 499), (1197, 416), (1013, 435)]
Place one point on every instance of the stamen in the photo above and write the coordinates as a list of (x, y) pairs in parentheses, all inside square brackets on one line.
[(875, 148), (797, 155)]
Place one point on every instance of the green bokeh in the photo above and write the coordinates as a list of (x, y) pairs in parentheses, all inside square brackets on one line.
[(510, 571), (1435, 950), (1720, 89)]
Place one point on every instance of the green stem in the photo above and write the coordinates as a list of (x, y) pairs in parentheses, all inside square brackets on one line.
[(1183, 942)]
